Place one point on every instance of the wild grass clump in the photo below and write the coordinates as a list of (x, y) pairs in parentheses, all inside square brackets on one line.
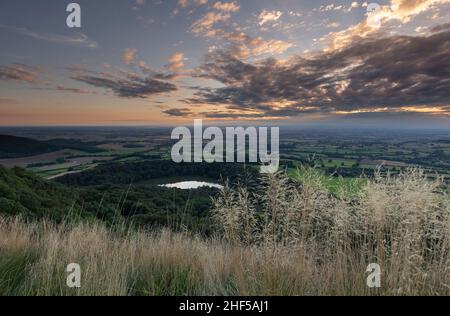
[(400, 222), (285, 238)]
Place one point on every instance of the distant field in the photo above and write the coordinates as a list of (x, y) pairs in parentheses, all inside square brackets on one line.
[(66, 161), (49, 157), (337, 185), (346, 153), (337, 163)]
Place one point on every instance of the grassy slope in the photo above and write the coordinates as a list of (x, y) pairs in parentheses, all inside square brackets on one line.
[(308, 243), (24, 193)]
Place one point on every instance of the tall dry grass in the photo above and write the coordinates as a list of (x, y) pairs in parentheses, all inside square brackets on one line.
[(400, 222), (285, 239)]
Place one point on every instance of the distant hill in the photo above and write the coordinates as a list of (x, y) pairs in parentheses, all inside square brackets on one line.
[(17, 147)]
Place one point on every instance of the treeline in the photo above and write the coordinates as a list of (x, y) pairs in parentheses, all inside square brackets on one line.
[(135, 172), (88, 147)]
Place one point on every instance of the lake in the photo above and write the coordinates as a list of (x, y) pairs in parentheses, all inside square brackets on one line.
[(189, 185)]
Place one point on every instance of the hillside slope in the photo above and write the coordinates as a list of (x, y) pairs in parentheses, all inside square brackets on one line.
[(14, 147), (22, 192), (26, 194), (17, 147)]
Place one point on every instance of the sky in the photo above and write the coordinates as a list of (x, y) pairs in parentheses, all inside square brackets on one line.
[(168, 62)]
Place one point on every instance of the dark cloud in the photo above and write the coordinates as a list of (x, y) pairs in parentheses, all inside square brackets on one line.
[(441, 27), (178, 112), (62, 88), (19, 72), (73, 90), (78, 39), (128, 85), (388, 72)]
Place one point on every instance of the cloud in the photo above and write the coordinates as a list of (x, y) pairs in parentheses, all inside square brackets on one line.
[(73, 90), (227, 6), (333, 25), (243, 46), (173, 70), (176, 62), (354, 4), (331, 7), (268, 17), (187, 3), (237, 42), (129, 55), (205, 25), (411, 72), (128, 85), (144, 67), (79, 39), (440, 28), (61, 88), (19, 72), (255, 47), (183, 4), (404, 10), (400, 11), (339, 7), (183, 112)]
